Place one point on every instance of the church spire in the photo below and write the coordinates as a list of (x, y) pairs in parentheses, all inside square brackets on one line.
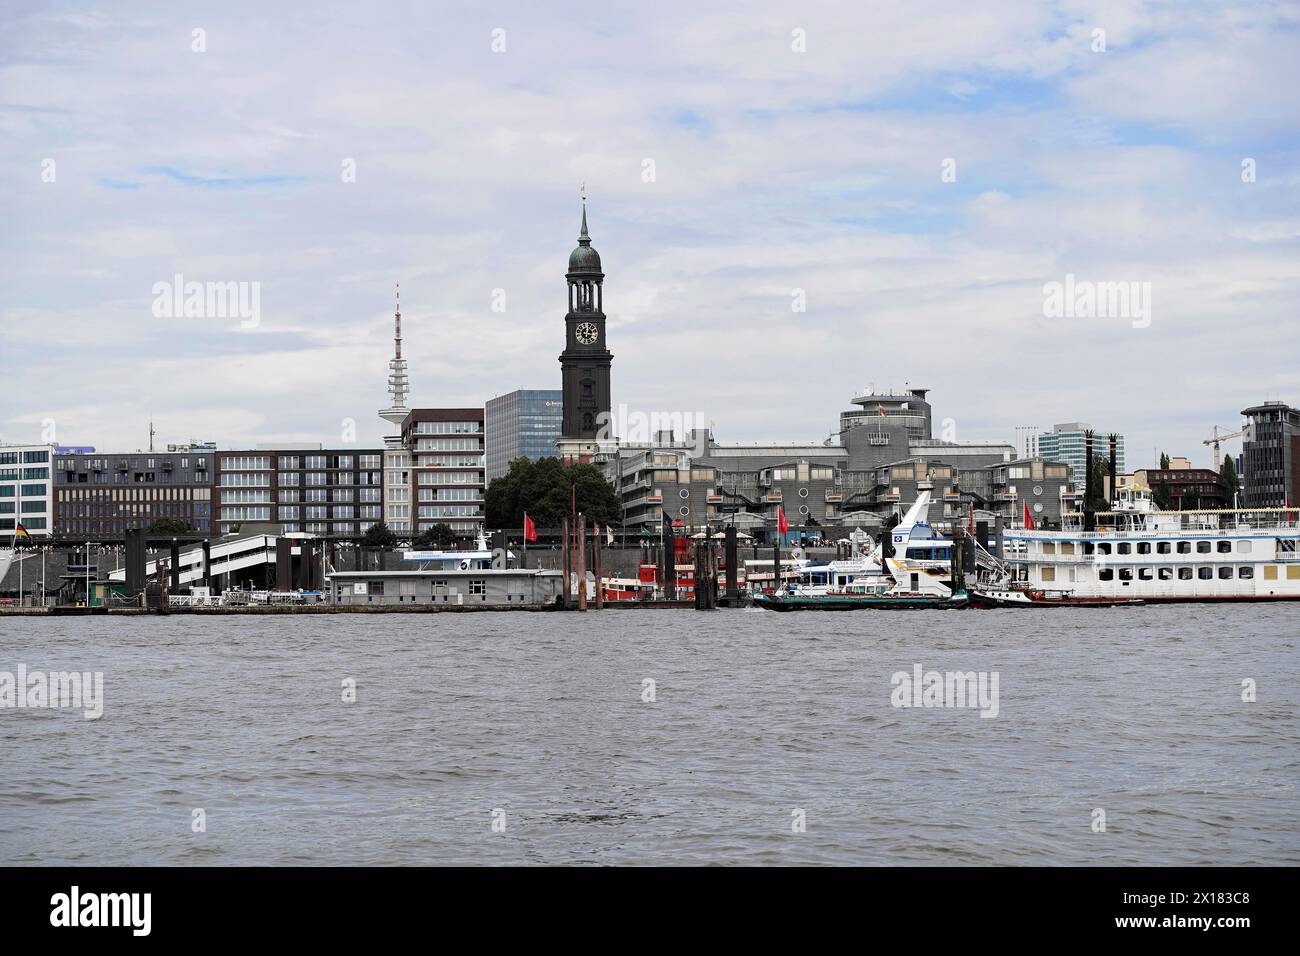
[(582, 236)]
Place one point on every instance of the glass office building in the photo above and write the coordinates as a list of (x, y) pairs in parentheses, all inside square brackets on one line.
[(526, 423), (1065, 443)]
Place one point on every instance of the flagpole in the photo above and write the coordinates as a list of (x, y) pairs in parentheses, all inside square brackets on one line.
[(525, 564)]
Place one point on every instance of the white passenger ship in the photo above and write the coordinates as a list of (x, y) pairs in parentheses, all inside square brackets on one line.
[(1143, 553)]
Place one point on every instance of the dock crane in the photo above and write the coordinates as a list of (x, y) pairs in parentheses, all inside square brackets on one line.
[(1215, 442)]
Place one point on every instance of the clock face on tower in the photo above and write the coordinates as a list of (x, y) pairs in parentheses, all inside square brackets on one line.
[(586, 333)]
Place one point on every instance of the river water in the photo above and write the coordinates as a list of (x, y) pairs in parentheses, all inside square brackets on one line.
[(518, 738)]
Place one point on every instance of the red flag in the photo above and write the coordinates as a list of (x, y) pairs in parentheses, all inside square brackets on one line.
[(1029, 519), (530, 529), (782, 526)]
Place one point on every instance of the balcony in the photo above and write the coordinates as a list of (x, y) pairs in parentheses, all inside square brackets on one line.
[(834, 496)]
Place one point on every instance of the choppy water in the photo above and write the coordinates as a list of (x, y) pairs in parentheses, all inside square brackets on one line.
[(1134, 711)]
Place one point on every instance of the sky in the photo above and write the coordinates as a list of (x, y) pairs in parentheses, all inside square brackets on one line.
[(794, 202)]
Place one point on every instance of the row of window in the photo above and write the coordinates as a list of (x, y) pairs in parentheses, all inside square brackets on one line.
[(475, 587), (31, 524), (134, 494), (1222, 546), (26, 491), (448, 428), (28, 474), (26, 457), (124, 464), (1224, 572)]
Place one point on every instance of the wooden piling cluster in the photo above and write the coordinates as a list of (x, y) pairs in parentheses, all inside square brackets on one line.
[(579, 547)]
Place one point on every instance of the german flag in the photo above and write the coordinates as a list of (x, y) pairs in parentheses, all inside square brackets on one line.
[(22, 534)]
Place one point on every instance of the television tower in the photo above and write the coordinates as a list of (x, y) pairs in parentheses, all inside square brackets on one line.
[(396, 412)]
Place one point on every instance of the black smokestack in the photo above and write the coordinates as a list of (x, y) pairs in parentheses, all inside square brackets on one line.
[(1089, 522), (1114, 472)]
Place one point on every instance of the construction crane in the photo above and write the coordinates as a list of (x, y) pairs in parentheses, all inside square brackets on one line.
[(1215, 442)]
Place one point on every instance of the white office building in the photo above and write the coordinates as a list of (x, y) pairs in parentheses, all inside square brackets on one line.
[(25, 496)]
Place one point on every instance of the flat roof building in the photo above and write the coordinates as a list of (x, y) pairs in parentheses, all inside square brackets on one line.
[(1270, 456), (26, 489), (326, 492), (525, 423), (99, 496), (448, 482)]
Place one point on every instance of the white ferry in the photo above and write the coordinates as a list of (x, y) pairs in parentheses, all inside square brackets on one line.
[(1139, 552)]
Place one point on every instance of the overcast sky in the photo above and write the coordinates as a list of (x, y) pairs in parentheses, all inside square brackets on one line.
[(733, 153)]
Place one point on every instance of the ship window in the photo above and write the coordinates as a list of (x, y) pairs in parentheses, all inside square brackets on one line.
[(1205, 574), (1202, 547), (1246, 573), (1049, 574), (1106, 574), (1225, 547), (1184, 574), (1184, 547), (1126, 574), (1144, 574), (1103, 547), (1293, 572), (1243, 547), (1225, 573), (1286, 545), (1089, 547), (1124, 548), (1067, 547), (1165, 574), (1162, 547), (1049, 547), (1270, 572), (1144, 547)]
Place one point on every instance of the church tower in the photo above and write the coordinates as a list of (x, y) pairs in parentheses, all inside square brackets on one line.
[(586, 358)]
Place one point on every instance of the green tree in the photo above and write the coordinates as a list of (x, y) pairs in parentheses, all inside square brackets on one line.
[(1228, 473), (1164, 461), (169, 526), (1161, 498), (379, 535), (544, 489), (433, 537)]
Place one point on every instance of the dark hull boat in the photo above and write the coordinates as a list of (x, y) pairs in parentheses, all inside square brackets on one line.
[(860, 602)]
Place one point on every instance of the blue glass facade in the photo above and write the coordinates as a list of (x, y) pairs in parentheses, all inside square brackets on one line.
[(525, 422)]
